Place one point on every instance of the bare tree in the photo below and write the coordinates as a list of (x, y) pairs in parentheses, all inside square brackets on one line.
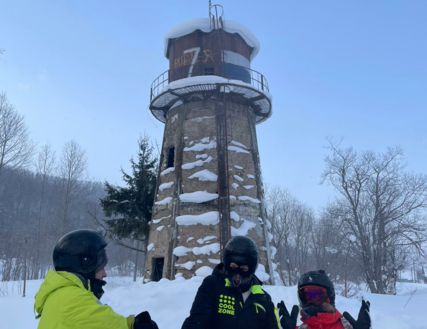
[(383, 207), (72, 167), (328, 240), (277, 204), (45, 167), (16, 147), (291, 225), (332, 248)]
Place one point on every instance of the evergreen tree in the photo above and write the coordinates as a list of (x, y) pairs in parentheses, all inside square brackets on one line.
[(131, 206)]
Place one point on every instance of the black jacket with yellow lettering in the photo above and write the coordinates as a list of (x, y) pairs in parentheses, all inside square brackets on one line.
[(218, 305)]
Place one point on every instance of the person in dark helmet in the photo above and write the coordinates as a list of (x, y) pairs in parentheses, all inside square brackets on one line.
[(232, 297), (69, 296), (316, 295)]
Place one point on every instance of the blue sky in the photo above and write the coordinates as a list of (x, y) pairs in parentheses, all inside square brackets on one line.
[(355, 69)]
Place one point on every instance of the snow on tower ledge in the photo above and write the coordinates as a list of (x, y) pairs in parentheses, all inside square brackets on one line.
[(204, 25)]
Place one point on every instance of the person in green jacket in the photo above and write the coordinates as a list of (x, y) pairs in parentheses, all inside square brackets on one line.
[(69, 296)]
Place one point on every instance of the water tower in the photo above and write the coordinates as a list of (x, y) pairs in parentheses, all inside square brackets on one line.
[(210, 184)]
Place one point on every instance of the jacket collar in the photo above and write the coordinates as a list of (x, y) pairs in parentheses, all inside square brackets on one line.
[(85, 282), (54, 281)]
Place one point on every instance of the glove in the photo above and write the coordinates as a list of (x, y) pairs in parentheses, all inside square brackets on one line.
[(364, 318), (287, 321), (143, 321)]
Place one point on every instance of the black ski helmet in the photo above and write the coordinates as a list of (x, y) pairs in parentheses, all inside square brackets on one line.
[(317, 278), (80, 251), (242, 246)]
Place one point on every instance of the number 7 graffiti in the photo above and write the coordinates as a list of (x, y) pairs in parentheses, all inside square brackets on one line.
[(196, 50)]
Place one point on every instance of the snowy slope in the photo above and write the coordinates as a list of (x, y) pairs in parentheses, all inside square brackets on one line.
[(169, 303)]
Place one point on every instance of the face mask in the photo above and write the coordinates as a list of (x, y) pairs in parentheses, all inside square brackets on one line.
[(96, 287), (245, 281)]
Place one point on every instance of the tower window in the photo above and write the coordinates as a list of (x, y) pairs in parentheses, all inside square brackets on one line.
[(209, 71), (158, 264), (171, 157)]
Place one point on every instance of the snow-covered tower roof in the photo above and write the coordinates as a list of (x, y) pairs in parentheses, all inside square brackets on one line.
[(208, 56), (205, 25)]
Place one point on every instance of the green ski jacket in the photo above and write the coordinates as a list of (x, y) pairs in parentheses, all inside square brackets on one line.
[(63, 302)]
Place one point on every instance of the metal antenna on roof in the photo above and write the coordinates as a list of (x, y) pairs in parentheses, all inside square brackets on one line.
[(215, 16)]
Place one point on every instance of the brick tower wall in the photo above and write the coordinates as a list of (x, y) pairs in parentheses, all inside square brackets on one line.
[(185, 244)]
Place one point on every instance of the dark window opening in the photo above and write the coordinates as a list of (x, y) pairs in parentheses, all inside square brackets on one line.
[(237, 72), (158, 268), (175, 270), (171, 157), (209, 71)]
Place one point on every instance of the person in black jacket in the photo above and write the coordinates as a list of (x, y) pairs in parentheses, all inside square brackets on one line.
[(232, 298)]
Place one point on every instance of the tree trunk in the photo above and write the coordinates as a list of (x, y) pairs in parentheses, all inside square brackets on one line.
[(135, 271)]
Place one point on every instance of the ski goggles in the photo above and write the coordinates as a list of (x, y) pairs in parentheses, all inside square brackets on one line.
[(313, 295)]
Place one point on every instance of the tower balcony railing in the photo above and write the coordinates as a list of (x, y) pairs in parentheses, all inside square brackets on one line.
[(225, 70)]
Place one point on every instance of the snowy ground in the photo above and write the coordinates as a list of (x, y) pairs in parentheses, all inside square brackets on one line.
[(169, 303)]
